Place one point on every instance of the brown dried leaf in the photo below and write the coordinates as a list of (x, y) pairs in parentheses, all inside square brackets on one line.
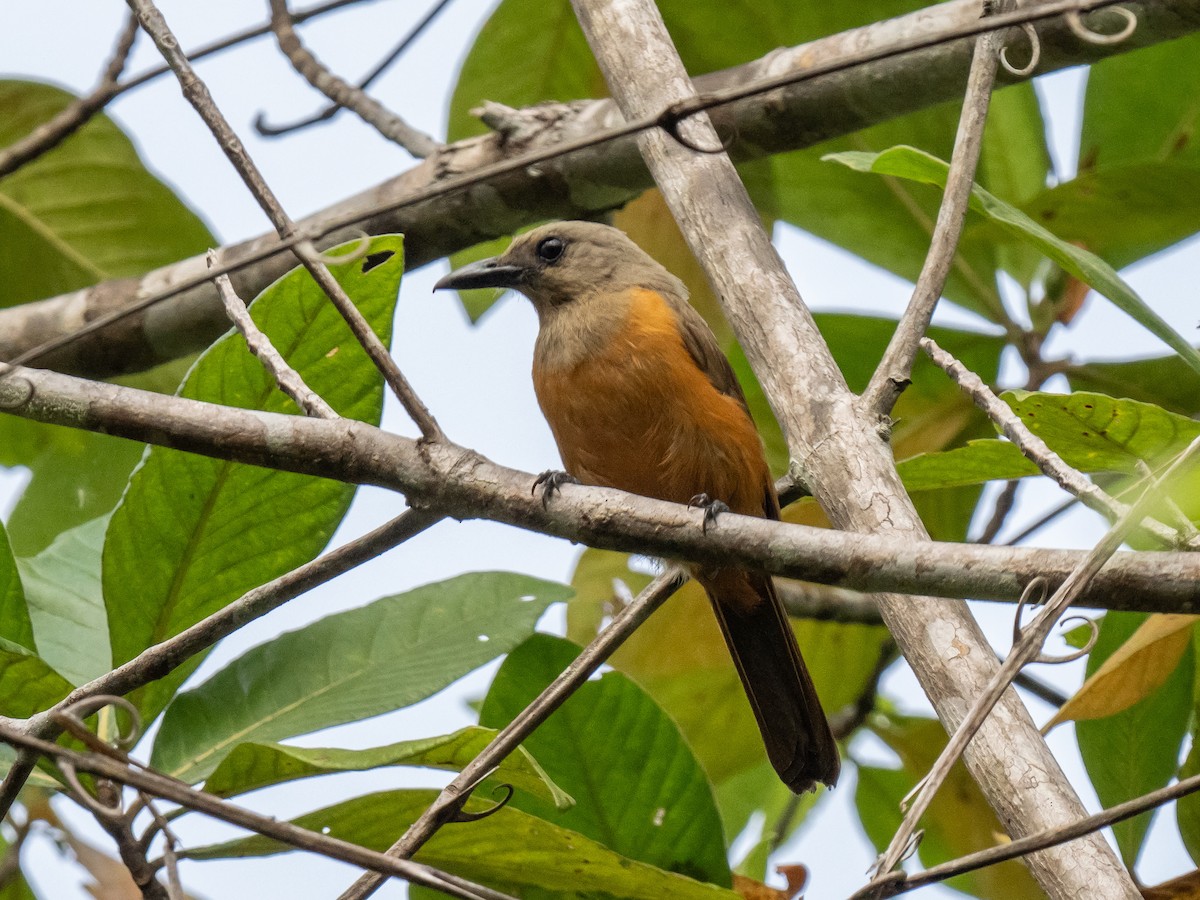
[(749, 889), (1185, 887), (1137, 669)]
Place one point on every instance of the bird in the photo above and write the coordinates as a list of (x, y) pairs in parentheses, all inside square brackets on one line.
[(639, 397)]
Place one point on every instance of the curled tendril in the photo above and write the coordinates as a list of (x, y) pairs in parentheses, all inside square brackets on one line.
[(1080, 30), (1071, 656), (1035, 54), (1038, 584), (72, 717), (106, 811), (341, 259), (464, 816), (672, 120)]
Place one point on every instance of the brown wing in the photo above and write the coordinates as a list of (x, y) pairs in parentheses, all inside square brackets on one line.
[(702, 344)]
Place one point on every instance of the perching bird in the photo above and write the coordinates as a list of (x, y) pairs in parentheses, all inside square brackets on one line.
[(639, 397)]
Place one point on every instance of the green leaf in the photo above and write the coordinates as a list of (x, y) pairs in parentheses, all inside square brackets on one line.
[(1091, 432), (959, 821), (351, 666), (1123, 213), (976, 463), (1165, 381), (15, 624), (1135, 751), (66, 603), (915, 165), (510, 850), (1128, 117), (78, 476), (86, 211), (760, 790), (192, 533), (257, 765), (27, 682), (639, 789)]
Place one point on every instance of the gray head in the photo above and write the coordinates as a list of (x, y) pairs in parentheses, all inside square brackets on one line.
[(558, 263)]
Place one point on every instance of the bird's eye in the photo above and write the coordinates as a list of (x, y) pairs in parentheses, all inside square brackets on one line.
[(550, 249)]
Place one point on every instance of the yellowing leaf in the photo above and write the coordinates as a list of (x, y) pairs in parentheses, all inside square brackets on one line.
[(1137, 669)]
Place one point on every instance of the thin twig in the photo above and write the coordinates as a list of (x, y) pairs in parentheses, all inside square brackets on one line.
[(159, 785), (1037, 451), (324, 115), (456, 793), (894, 370), (1026, 649), (287, 378), (341, 92), (1040, 689), (197, 94), (76, 114), (157, 661), (1041, 522), (668, 118), (1000, 512), (900, 883)]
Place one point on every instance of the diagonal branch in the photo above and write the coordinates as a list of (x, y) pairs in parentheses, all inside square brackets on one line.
[(341, 92), (198, 96), (50, 134), (895, 369), (844, 82)]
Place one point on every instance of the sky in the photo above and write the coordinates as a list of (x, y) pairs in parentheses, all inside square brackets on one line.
[(476, 378)]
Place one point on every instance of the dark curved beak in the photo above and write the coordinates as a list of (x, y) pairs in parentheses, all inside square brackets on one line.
[(487, 273)]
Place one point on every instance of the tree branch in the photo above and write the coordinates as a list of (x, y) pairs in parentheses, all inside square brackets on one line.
[(341, 92), (583, 184), (894, 370), (452, 481), (197, 94)]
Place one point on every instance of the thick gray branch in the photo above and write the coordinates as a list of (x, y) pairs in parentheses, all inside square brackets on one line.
[(583, 184), (835, 443), (456, 482)]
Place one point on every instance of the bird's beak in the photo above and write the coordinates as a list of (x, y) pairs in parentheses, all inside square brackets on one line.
[(487, 273)]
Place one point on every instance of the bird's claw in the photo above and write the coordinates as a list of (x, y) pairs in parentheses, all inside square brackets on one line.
[(712, 508), (550, 481)]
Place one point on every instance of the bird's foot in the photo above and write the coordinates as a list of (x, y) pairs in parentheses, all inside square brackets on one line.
[(550, 481), (712, 508)]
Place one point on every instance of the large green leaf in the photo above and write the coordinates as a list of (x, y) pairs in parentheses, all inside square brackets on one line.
[(637, 786), (510, 850), (959, 820), (15, 624), (27, 682), (66, 603), (257, 765), (86, 211), (1123, 213), (351, 666), (76, 476), (1135, 751), (1127, 115), (192, 533), (916, 165), (1091, 432), (1165, 381)]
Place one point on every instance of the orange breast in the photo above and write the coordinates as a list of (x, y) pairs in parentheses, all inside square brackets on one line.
[(639, 414)]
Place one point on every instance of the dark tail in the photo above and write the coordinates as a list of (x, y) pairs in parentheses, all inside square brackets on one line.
[(793, 725)]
